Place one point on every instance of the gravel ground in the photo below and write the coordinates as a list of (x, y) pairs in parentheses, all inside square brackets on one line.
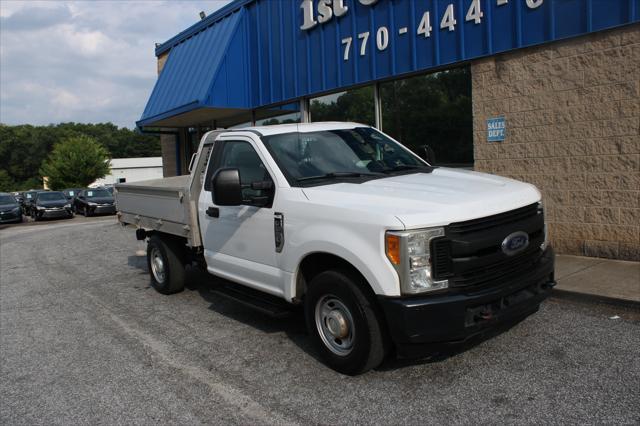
[(84, 339)]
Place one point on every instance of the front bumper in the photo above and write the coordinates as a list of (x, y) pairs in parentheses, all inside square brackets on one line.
[(423, 325), (103, 209), (10, 216), (54, 213)]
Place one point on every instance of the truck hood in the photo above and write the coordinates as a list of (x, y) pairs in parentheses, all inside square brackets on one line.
[(429, 199)]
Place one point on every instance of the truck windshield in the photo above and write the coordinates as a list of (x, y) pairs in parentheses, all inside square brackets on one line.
[(339, 154)]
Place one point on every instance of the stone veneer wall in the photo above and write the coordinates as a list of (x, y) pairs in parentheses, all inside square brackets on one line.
[(572, 111)]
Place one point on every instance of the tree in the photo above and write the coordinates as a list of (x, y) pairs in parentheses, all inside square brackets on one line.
[(75, 162), (6, 183), (23, 148)]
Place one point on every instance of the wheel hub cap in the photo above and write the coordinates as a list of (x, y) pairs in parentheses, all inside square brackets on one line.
[(157, 265), (335, 325)]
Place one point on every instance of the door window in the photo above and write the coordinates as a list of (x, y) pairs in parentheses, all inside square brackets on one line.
[(241, 155)]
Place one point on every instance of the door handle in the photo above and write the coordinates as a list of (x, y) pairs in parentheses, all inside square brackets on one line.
[(213, 212)]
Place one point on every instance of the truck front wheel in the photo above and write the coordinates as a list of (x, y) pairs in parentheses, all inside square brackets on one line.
[(343, 323), (165, 265)]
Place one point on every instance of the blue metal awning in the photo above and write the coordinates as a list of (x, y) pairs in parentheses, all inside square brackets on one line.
[(256, 53), (197, 75)]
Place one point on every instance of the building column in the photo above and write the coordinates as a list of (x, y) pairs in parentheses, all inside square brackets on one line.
[(377, 106)]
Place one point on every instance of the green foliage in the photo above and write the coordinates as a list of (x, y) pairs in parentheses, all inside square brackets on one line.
[(23, 148), (75, 162), (6, 183)]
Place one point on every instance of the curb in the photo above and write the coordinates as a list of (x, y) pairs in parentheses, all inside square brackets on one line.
[(593, 298)]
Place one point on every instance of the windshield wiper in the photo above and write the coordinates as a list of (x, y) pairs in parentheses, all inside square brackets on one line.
[(337, 175), (402, 167)]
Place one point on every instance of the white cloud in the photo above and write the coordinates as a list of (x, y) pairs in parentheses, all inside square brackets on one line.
[(84, 61)]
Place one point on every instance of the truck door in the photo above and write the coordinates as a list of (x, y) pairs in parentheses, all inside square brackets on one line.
[(239, 240)]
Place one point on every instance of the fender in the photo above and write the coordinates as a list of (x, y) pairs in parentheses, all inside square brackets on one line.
[(363, 250)]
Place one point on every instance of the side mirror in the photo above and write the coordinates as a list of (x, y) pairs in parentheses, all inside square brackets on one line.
[(428, 154), (227, 190)]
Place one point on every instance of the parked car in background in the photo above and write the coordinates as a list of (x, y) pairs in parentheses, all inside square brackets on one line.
[(10, 209), (27, 199), (50, 205), (71, 193), (94, 201)]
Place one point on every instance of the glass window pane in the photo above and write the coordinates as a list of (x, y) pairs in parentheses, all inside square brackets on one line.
[(432, 110), (352, 105), (282, 114)]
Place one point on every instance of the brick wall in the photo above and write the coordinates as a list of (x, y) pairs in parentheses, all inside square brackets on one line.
[(572, 111)]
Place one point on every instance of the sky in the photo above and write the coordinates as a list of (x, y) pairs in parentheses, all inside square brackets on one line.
[(88, 61)]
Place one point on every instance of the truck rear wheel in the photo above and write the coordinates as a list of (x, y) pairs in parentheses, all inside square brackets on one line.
[(343, 323), (164, 259)]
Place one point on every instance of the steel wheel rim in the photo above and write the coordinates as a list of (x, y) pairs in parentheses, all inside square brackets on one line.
[(157, 265), (335, 325)]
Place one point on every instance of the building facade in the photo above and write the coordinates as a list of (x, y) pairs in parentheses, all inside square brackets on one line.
[(131, 170), (543, 91)]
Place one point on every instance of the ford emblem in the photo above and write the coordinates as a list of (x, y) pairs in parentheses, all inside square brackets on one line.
[(515, 243)]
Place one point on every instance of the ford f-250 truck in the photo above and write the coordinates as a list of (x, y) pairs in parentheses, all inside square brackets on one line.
[(386, 253)]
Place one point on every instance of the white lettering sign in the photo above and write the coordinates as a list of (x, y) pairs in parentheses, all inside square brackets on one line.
[(316, 12)]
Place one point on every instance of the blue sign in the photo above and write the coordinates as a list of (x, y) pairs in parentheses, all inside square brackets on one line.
[(496, 129), (258, 53)]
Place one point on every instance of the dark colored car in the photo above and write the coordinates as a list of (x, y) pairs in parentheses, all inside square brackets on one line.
[(27, 199), (71, 193), (10, 209), (94, 201), (109, 188), (49, 205)]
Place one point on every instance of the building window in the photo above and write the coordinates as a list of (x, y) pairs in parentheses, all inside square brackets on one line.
[(433, 110), (352, 105), (282, 114)]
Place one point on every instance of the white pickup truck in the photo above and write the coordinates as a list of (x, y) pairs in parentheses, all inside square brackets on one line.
[(386, 253)]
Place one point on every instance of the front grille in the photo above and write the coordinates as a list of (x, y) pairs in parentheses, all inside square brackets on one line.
[(488, 222), (470, 254)]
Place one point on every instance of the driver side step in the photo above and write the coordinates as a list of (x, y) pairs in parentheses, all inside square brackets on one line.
[(272, 306)]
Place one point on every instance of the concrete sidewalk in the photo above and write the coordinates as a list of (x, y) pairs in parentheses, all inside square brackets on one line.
[(602, 278)]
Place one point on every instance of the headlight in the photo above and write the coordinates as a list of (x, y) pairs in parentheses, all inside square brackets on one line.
[(17, 209), (40, 208), (92, 204), (410, 254), (67, 206), (545, 243)]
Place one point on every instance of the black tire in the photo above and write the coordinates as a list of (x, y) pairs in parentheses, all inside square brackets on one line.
[(171, 254), (368, 343), (85, 211)]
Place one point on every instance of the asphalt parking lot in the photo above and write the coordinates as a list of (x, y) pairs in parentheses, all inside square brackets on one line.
[(84, 339)]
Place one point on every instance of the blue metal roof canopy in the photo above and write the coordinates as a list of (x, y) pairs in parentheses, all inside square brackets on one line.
[(253, 53), (200, 72)]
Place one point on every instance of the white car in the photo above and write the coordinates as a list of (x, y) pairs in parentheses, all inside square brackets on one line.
[(387, 253)]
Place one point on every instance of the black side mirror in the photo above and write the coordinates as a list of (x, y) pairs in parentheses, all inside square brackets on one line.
[(227, 190), (428, 154)]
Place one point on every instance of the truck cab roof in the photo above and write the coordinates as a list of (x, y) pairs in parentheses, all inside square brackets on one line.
[(299, 127)]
